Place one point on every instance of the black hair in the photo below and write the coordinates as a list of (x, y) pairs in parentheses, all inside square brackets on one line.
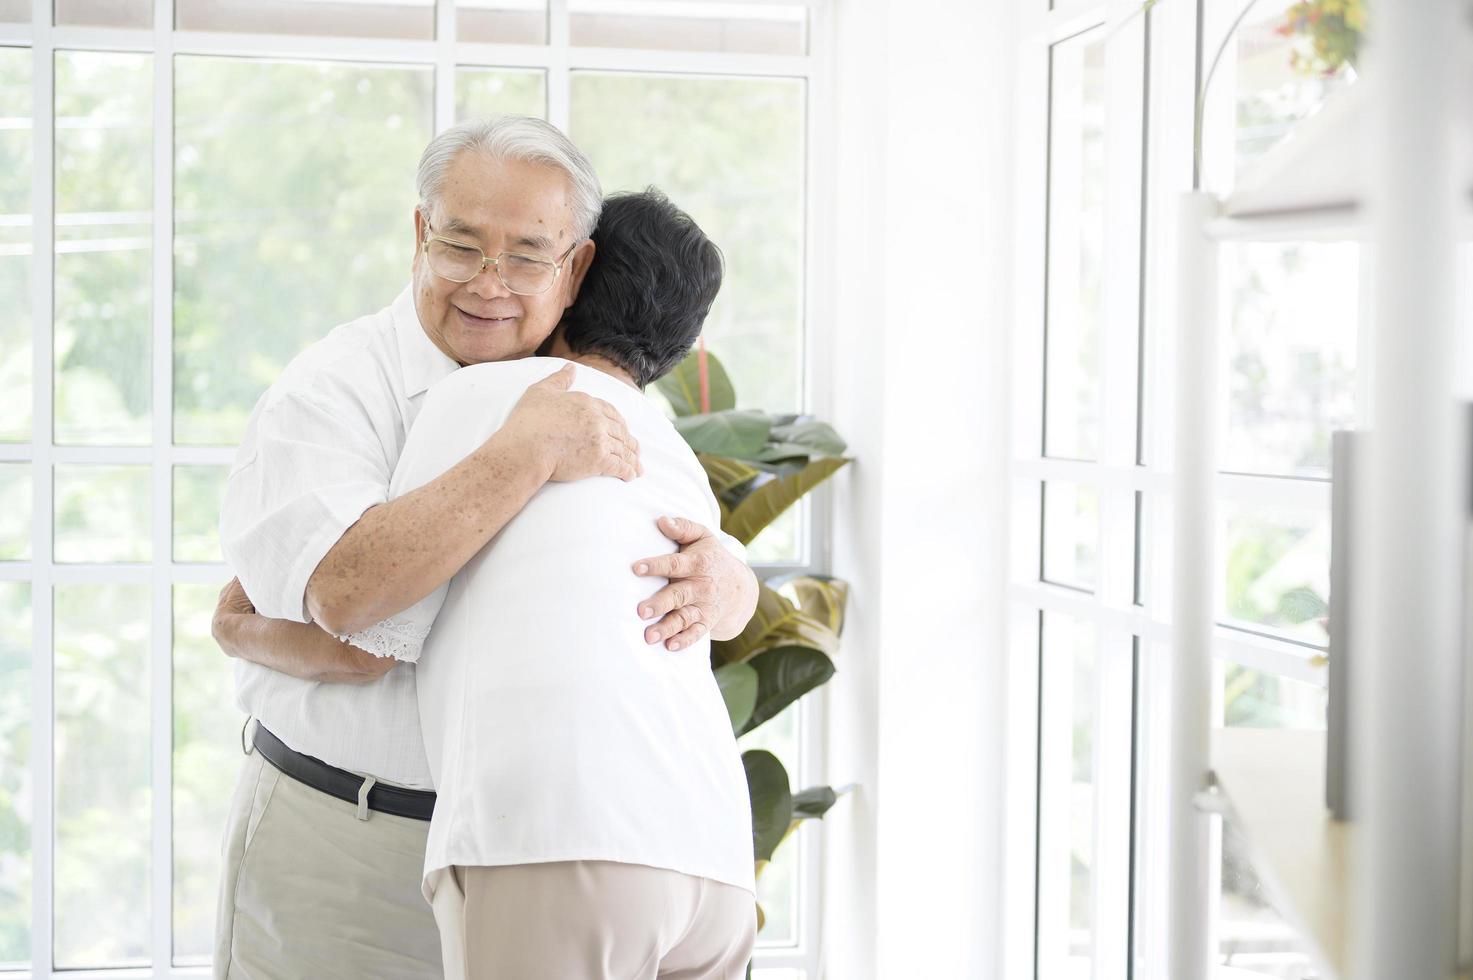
[(653, 279)]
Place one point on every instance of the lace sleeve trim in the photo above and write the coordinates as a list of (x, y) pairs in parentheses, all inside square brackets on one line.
[(389, 638)]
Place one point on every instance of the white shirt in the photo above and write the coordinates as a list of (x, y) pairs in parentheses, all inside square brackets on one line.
[(554, 731), (319, 450)]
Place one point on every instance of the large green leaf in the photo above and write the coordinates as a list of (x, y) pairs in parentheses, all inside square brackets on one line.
[(771, 798), (682, 386), (814, 802), (775, 623), (820, 596), (739, 685), (783, 676), (806, 438), (727, 433), (725, 473), (766, 502)]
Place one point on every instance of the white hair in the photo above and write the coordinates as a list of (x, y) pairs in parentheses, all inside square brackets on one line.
[(514, 138)]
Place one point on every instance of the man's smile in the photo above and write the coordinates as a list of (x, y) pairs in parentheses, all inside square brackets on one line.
[(471, 320)]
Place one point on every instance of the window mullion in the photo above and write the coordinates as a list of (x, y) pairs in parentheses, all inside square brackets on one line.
[(42, 689), (559, 77), (161, 701), (445, 37)]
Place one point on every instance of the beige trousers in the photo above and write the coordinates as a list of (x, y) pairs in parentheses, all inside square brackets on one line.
[(591, 920), (308, 890)]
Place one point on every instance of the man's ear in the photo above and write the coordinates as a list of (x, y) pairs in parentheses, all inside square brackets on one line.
[(419, 236), (578, 264)]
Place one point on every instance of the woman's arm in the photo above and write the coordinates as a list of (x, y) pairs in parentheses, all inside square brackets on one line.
[(302, 650)]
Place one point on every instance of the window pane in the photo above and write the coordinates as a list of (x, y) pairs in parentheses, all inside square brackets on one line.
[(275, 183), (105, 13), (1295, 310), (15, 11), (206, 757), (501, 21), (782, 540), (491, 91), (1256, 699), (1278, 81), (1251, 935), (777, 889), (102, 513), (15, 775), (690, 25), (15, 243), (1076, 247), (104, 247), (730, 152), (1066, 797), (102, 776), (15, 511), (197, 494), (1071, 532), (1277, 574), (412, 19)]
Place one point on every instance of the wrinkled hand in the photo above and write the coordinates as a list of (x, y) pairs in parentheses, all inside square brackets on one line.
[(710, 590), (575, 435), (233, 602)]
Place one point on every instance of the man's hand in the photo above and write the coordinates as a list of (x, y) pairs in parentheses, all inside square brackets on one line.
[(573, 434), (710, 590), (302, 650), (233, 602)]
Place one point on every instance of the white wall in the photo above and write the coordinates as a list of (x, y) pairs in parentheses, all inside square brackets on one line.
[(919, 379)]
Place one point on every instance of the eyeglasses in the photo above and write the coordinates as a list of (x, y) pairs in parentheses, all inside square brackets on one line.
[(525, 275)]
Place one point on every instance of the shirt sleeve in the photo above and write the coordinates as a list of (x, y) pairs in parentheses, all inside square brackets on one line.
[(453, 421), (401, 636), (730, 543), (306, 471)]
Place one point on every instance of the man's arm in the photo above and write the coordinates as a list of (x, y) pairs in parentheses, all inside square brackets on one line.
[(400, 551), (300, 649)]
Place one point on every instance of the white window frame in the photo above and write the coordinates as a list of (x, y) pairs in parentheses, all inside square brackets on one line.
[(1136, 370), (445, 54)]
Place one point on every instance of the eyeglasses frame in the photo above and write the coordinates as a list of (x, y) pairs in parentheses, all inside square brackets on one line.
[(557, 267)]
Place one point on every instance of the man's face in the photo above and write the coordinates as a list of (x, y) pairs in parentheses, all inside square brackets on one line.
[(498, 205)]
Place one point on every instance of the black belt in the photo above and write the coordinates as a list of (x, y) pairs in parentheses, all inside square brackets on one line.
[(415, 803)]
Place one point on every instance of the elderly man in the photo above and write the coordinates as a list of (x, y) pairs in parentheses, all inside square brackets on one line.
[(326, 836)]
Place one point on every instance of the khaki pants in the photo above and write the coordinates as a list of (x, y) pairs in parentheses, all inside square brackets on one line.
[(591, 920), (308, 890)]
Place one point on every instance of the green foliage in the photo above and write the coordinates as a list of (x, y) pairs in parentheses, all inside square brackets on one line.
[(759, 465), (776, 622), (682, 386), (738, 684), (1332, 30), (765, 501), (771, 800), (738, 435), (784, 675)]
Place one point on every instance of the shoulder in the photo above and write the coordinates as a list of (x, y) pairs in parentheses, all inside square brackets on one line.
[(492, 378)]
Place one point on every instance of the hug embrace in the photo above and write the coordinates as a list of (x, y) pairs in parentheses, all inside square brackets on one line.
[(477, 577)]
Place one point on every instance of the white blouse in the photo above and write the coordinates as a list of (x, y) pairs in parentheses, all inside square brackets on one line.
[(554, 732)]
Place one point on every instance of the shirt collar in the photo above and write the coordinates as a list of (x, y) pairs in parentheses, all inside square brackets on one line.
[(420, 360)]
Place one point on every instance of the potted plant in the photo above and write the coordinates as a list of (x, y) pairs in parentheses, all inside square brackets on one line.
[(759, 465)]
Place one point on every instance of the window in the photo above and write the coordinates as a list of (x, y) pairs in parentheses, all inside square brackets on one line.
[(1076, 485), (1106, 117), (292, 130)]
